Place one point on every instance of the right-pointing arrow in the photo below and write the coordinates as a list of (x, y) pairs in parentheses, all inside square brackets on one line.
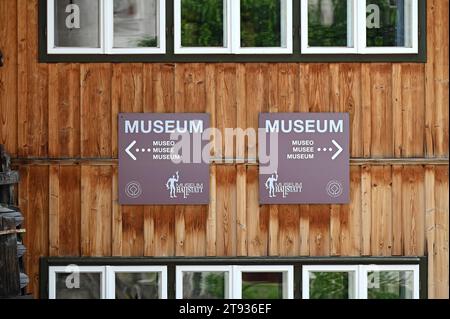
[(128, 150), (339, 151)]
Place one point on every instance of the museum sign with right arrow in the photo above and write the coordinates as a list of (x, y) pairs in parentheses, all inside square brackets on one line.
[(304, 158)]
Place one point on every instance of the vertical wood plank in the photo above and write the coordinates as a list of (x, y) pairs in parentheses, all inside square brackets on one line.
[(351, 217), (441, 257), (116, 212), (304, 230), (381, 228), (319, 230), (350, 101), (53, 210), (8, 75), (381, 110), (95, 108), (36, 217), (289, 225), (32, 86), (413, 206), (397, 229), (335, 230), (257, 216), (149, 231), (366, 98), (440, 76), (96, 210), (397, 110), (366, 210), (241, 218), (164, 225), (211, 227), (430, 226), (69, 211), (64, 110), (226, 211), (413, 102)]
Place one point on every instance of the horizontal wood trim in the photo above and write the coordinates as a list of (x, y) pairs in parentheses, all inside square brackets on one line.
[(231, 161)]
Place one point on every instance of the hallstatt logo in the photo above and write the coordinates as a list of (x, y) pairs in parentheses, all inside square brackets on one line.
[(176, 188), (276, 188)]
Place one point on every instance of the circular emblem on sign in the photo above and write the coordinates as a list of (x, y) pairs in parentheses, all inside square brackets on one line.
[(133, 189), (335, 189)]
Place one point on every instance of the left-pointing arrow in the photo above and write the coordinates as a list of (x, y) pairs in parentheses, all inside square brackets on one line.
[(128, 150)]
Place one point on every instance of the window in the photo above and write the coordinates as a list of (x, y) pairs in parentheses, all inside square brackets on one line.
[(330, 282), (74, 282), (232, 31), (264, 282), (138, 282), (107, 282), (389, 26), (361, 282), (235, 282), (204, 282), (359, 26), (228, 26), (105, 26), (330, 26), (390, 282), (233, 278)]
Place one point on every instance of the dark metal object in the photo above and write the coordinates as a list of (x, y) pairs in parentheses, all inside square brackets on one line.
[(171, 57), (172, 262)]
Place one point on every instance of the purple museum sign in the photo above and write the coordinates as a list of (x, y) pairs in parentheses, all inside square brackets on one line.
[(153, 168), (304, 158)]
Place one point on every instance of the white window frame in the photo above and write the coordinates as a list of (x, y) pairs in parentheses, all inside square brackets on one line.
[(362, 39), (360, 282), (232, 32), (203, 50), (182, 269), (288, 278), (109, 32), (352, 30), (359, 32), (329, 268), (286, 27), (69, 269), (53, 49), (106, 31), (365, 269), (111, 272)]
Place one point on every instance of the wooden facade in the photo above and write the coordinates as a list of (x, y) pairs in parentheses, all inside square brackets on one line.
[(59, 121)]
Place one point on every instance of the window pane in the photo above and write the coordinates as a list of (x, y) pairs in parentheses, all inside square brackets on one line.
[(205, 285), (144, 285), (262, 285), (331, 285), (330, 23), (77, 23), (390, 284), (389, 23), (203, 23), (89, 286), (136, 23), (261, 22)]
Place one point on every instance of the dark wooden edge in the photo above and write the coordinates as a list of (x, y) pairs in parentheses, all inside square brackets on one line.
[(172, 262), (170, 57)]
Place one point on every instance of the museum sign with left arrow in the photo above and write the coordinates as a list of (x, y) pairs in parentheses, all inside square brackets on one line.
[(159, 162)]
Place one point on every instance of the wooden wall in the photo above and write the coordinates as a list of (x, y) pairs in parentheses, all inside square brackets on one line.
[(60, 123)]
